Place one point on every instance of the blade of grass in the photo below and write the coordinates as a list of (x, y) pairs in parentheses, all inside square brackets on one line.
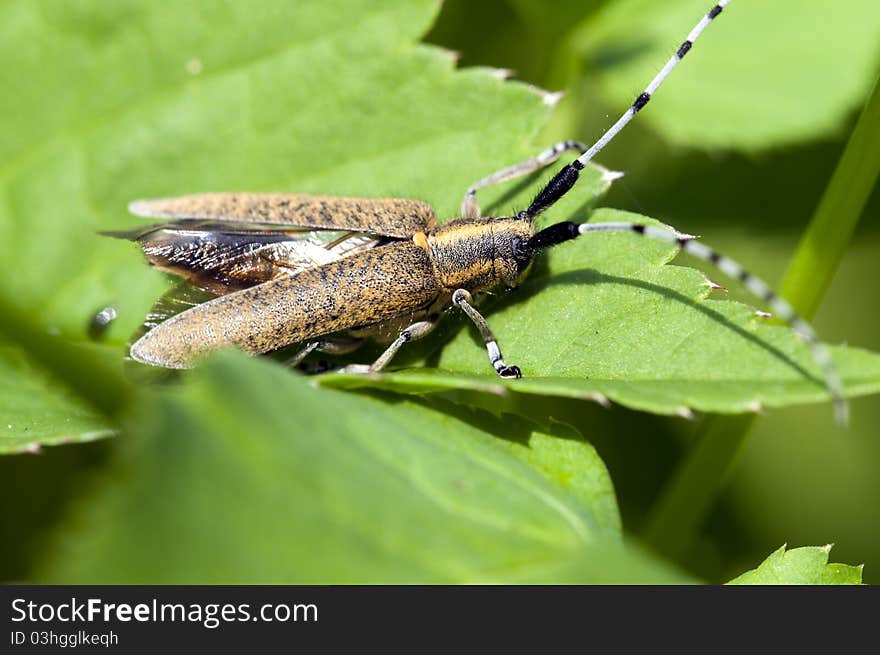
[(693, 489)]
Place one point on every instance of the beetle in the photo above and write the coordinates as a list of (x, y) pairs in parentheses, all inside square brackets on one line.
[(328, 272)]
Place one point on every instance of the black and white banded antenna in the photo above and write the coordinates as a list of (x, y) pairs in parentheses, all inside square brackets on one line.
[(566, 178), (645, 96)]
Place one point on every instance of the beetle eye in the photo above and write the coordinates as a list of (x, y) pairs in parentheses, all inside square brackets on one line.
[(520, 251), (522, 254)]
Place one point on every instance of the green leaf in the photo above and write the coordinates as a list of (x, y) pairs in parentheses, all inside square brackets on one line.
[(37, 411), (125, 100), (807, 565), (248, 474), (607, 317), (575, 466), (761, 76), (603, 563), (558, 451)]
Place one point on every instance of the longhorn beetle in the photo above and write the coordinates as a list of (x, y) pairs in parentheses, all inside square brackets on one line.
[(327, 272)]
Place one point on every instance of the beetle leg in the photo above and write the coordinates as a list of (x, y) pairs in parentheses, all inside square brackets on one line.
[(302, 353), (410, 333), (462, 300), (415, 331), (469, 206), (338, 346)]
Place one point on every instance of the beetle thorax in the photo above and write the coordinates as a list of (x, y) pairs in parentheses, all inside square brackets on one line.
[(479, 253)]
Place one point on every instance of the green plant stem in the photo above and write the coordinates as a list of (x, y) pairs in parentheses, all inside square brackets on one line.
[(693, 489), (823, 243), (691, 492)]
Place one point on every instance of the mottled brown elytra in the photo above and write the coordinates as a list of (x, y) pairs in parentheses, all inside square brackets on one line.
[(265, 271)]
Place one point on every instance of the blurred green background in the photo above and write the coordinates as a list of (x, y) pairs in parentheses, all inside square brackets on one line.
[(747, 179), (799, 478)]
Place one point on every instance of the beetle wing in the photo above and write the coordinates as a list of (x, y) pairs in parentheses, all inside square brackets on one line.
[(221, 257), (391, 217), (362, 289)]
